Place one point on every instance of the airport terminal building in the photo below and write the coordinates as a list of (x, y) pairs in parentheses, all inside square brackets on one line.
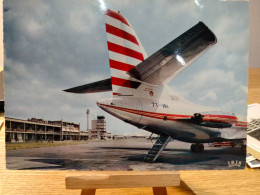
[(18, 130)]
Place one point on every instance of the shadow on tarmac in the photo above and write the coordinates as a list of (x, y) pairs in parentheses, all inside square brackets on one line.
[(178, 158)]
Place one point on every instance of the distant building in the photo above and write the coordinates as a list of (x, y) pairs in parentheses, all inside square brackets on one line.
[(99, 130), (70, 131), (84, 135), (119, 137), (33, 129), (18, 130)]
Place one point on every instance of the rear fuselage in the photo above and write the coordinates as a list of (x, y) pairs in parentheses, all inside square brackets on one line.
[(168, 115)]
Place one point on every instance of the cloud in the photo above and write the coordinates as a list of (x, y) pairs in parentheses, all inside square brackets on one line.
[(211, 95), (55, 45), (214, 88)]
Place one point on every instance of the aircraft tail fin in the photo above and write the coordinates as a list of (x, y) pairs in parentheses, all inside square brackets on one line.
[(125, 52)]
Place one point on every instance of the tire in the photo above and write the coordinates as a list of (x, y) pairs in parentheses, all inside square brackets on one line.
[(200, 148), (193, 148)]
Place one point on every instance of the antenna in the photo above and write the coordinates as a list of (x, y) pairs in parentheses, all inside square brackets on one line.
[(87, 118)]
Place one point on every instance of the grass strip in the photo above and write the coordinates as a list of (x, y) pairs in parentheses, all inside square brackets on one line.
[(28, 145)]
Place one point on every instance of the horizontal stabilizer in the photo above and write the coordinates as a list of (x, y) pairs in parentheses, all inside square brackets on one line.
[(98, 86), (173, 58)]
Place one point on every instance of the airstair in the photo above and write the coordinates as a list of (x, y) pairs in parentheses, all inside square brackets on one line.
[(157, 148)]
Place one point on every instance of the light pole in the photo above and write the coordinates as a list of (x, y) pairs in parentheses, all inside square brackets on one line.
[(87, 119)]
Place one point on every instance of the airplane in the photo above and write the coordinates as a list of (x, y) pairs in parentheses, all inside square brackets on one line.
[(142, 98)]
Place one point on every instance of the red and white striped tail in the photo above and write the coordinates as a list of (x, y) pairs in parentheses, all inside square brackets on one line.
[(125, 52)]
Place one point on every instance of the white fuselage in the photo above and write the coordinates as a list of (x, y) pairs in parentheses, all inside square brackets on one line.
[(159, 110)]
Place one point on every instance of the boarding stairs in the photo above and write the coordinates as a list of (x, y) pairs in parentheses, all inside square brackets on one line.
[(157, 148)]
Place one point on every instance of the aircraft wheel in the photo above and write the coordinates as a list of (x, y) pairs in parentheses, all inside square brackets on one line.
[(193, 148), (200, 148), (197, 148), (243, 149)]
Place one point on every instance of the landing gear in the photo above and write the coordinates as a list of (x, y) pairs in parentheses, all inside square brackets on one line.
[(243, 147), (196, 148)]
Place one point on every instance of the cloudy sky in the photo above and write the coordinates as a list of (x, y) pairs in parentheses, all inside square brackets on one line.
[(51, 45)]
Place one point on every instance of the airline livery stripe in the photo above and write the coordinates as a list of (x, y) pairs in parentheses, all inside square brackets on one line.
[(117, 16), (145, 113), (219, 116), (116, 93), (123, 58), (172, 117), (116, 23), (123, 42), (148, 114), (120, 33), (220, 120), (119, 74), (120, 65), (125, 51), (124, 83), (239, 125)]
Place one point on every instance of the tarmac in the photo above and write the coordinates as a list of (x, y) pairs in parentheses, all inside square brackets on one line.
[(126, 154)]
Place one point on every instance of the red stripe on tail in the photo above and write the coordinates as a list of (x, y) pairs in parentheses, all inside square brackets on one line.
[(124, 83), (116, 15), (120, 65), (125, 51), (120, 33)]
